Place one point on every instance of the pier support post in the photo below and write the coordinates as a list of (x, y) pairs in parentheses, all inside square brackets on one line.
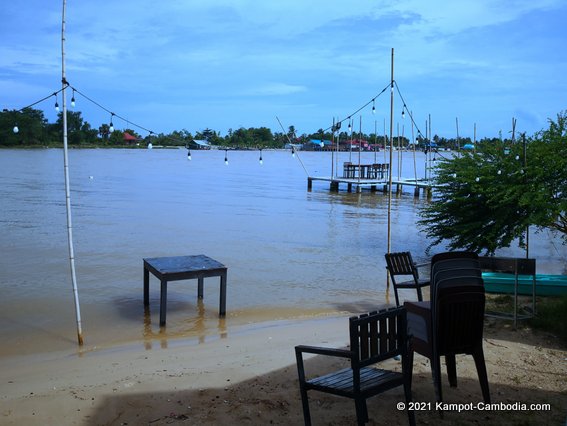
[(334, 186), (416, 192), (349, 187), (309, 183), (358, 189)]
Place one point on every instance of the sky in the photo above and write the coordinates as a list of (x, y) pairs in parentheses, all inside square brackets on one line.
[(189, 65)]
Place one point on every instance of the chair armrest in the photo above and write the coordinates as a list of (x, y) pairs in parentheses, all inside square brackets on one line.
[(419, 322), (318, 350), (418, 308)]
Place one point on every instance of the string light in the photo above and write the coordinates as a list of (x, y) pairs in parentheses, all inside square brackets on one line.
[(188, 152), (15, 129), (111, 127), (56, 103), (73, 99), (373, 106), (226, 157), (293, 151), (260, 160), (403, 111)]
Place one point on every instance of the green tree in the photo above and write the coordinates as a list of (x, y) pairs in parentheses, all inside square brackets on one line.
[(487, 198), (31, 125)]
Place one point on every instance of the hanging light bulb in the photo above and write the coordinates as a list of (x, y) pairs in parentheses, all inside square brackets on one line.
[(15, 129), (189, 154), (349, 126), (373, 106), (111, 127), (226, 157), (293, 152), (477, 179), (499, 172), (517, 157), (260, 160), (56, 103), (404, 112), (73, 99), (322, 143)]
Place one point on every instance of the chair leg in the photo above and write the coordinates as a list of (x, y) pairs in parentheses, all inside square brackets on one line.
[(409, 366), (436, 372), (396, 295), (451, 370), (478, 356), (407, 392), (305, 403), (361, 411), (419, 295)]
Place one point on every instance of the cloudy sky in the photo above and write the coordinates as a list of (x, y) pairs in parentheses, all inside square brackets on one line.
[(225, 64)]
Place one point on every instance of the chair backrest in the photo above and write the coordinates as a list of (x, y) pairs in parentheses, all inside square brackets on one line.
[(377, 336), (453, 255), (447, 268), (448, 255), (448, 264), (458, 313), (400, 263)]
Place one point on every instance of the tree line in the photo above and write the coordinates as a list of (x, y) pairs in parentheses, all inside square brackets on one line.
[(35, 130)]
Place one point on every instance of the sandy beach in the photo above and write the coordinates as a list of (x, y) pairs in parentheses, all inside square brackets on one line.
[(248, 376)]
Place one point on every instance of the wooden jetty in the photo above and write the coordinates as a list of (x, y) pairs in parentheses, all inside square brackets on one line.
[(373, 177)]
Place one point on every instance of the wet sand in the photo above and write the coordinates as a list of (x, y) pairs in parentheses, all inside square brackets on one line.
[(249, 376)]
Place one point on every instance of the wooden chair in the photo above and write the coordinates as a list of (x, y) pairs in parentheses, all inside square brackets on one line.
[(451, 323), (374, 337), (348, 170), (449, 255), (401, 265)]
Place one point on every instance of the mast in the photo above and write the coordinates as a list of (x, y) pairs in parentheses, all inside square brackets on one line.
[(67, 185), (391, 160)]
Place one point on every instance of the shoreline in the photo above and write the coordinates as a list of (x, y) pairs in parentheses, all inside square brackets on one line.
[(250, 377)]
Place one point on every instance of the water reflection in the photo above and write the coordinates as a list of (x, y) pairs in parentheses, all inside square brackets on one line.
[(194, 327)]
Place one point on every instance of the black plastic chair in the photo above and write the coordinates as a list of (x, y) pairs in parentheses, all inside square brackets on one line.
[(374, 337), (451, 323), (401, 265)]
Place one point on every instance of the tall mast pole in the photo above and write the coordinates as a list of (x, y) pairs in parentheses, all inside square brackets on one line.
[(391, 159), (67, 186)]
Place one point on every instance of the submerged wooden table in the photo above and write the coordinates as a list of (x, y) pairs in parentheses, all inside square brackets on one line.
[(183, 268)]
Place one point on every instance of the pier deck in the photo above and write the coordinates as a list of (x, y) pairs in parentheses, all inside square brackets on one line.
[(373, 184)]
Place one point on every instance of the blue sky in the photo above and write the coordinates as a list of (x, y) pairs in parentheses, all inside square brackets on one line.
[(225, 64)]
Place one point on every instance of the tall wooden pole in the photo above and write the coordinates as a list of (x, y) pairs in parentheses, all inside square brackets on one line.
[(391, 161), (67, 186)]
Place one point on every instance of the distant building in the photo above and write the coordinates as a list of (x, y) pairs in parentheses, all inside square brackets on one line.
[(318, 145), (129, 139), (202, 144)]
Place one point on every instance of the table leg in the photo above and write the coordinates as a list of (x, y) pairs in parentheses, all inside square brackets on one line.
[(200, 288), (222, 306), (163, 303), (146, 287)]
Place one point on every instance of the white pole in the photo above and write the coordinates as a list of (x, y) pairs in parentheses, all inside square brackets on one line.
[(390, 171), (67, 187)]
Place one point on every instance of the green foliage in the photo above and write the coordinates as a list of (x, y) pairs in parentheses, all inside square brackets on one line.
[(552, 316), (487, 198), (31, 124)]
